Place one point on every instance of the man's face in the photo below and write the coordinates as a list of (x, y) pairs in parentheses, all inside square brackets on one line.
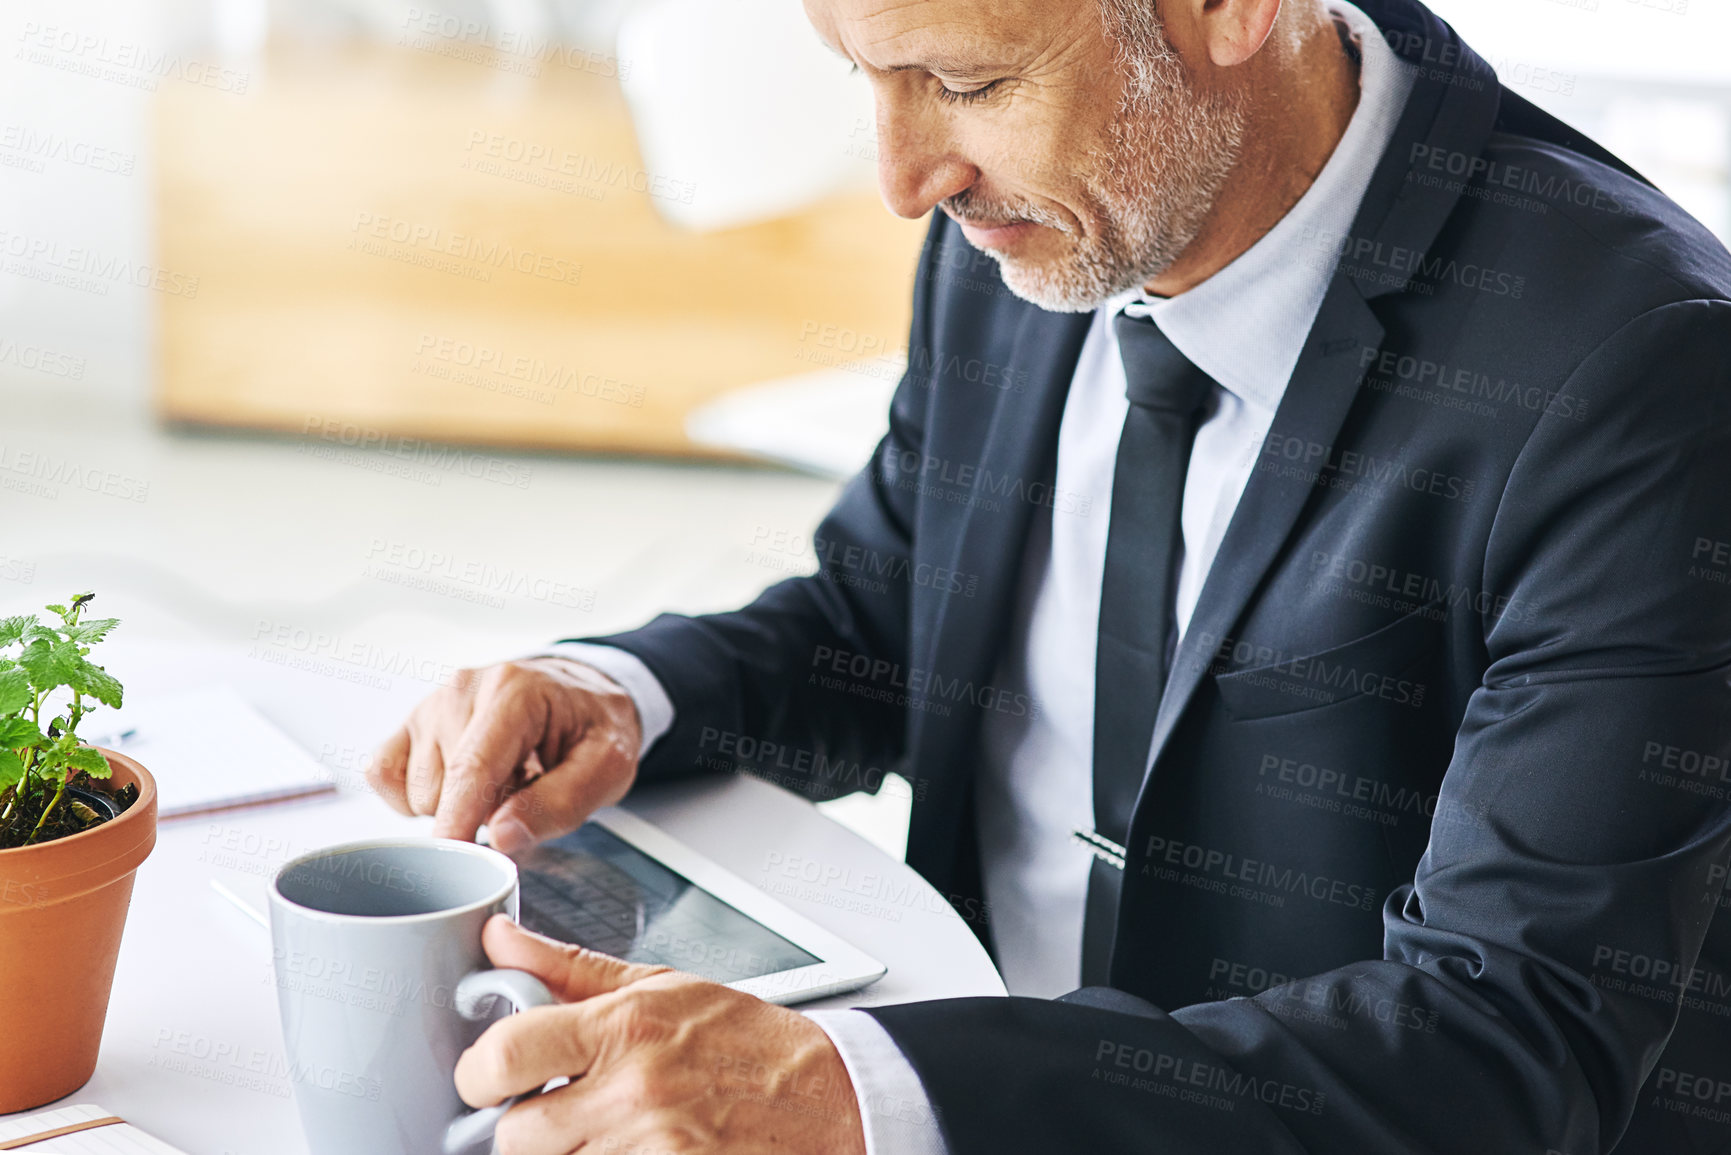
[(1082, 170)]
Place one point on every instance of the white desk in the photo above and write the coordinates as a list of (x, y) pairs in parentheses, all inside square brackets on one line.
[(193, 1051), (241, 537)]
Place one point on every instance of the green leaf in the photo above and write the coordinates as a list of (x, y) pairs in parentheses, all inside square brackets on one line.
[(50, 664), (90, 760), (17, 733), (92, 679), (37, 632), (14, 690), (12, 629), (51, 763), (90, 632), (11, 768), (101, 684)]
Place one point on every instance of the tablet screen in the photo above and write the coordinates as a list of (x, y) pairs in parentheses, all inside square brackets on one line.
[(593, 888)]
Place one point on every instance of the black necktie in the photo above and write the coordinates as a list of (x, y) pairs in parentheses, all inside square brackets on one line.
[(1137, 596)]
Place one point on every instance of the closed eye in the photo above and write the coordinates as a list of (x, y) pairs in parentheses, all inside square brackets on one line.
[(965, 96)]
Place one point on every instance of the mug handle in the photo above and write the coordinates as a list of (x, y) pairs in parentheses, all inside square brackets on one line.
[(475, 998)]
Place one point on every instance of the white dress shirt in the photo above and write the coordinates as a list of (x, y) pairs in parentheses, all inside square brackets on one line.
[(1245, 327)]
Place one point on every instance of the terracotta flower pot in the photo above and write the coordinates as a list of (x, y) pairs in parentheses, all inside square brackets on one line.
[(62, 908)]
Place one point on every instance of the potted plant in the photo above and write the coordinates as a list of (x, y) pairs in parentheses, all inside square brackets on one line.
[(75, 822)]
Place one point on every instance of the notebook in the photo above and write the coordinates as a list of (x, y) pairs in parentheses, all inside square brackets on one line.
[(209, 749), (85, 1129)]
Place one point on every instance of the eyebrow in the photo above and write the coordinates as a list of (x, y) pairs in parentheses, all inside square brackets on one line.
[(947, 65), (961, 69)]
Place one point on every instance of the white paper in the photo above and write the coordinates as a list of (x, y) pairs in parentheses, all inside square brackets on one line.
[(208, 749), (113, 1139)]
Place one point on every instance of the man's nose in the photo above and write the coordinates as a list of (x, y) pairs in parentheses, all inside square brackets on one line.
[(917, 165)]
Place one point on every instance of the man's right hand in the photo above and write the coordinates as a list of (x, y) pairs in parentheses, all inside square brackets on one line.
[(531, 748)]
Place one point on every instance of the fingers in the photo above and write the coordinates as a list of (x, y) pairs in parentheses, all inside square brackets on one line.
[(521, 1052), (426, 776), (503, 728), (409, 769), (386, 771), (574, 1119), (570, 972), (466, 747), (560, 800)]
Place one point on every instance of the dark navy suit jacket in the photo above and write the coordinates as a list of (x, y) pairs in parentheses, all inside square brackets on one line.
[(1433, 843)]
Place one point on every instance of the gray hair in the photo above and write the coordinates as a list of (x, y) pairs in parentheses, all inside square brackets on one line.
[(1145, 55)]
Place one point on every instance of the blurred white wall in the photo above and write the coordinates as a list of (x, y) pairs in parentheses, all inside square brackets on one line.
[(1650, 78)]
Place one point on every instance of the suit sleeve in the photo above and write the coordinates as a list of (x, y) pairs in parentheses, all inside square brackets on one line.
[(741, 683), (1561, 842)]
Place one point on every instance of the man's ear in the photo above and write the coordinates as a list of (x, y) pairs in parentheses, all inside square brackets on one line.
[(1235, 30)]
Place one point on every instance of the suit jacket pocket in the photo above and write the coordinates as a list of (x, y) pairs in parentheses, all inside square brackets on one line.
[(1375, 665)]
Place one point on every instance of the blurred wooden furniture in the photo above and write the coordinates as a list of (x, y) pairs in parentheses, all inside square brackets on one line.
[(429, 242)]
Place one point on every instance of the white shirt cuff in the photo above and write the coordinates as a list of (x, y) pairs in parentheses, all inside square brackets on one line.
[(893, 1106), (654, 707)]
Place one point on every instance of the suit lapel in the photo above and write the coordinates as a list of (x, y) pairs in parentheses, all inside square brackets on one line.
[(1310, 415), (1453, 109), (1020, 449)]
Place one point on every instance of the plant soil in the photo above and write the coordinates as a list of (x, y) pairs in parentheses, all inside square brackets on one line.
[(71, 816)]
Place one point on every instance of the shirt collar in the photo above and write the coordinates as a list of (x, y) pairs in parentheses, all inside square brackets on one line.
[(1245, 326)]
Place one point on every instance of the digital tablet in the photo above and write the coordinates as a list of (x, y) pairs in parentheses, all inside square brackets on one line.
[(623, 887)]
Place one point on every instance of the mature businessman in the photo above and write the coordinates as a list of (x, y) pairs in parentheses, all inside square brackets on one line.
[(1347, 534)]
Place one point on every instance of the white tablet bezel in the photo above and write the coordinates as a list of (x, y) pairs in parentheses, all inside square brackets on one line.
[(842, 967)]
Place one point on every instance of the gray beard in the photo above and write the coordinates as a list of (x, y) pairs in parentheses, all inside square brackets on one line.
[(1171, 150)]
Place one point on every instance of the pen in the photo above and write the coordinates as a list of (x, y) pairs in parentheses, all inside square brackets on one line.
[(242, 904), (114, 739)]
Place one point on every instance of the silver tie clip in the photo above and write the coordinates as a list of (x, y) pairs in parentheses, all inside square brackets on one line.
[(1104, 848)]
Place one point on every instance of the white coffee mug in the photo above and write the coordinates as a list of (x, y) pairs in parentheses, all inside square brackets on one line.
[(382, 984)]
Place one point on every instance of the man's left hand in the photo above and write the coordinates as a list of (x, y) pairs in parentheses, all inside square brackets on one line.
[(659, 1062)]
